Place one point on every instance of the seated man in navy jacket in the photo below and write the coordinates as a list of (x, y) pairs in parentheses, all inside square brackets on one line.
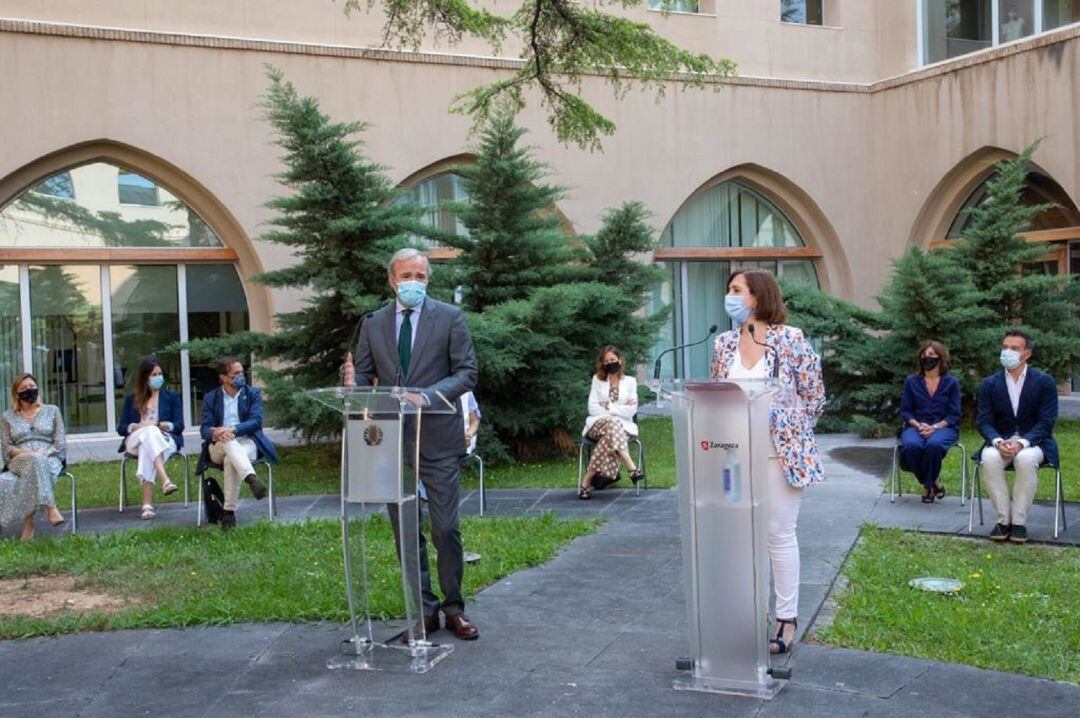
[(232, 417), (1017, 410)]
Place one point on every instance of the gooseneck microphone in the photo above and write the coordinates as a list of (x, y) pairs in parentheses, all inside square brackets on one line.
[(656, 366), (768, 347)]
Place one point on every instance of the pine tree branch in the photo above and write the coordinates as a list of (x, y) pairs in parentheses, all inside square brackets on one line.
[(562, 41)]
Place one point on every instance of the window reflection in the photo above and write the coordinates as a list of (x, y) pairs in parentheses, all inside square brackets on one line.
[(11, 360), (431, 196), (216, 307), (145, 319), (1016, 19), (1057, 13), (67, 346), (803, 12), (101, 205)]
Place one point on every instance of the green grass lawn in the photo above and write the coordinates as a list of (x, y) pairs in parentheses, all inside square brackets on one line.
[(1017, 612), (259, 572), (315, 469), (1067, 434)]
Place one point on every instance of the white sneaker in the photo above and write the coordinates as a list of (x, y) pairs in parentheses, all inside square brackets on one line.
[(147, 512)]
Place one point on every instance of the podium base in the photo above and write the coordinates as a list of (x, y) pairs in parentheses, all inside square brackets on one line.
[(359, 654), (765, 691)]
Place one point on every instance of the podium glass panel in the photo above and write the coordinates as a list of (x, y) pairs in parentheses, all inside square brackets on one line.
[(723, 449), (380, 464)]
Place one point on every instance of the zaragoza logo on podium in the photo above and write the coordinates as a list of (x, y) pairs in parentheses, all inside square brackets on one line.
[(373, 435)]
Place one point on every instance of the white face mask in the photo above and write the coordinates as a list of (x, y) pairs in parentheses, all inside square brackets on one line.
[(1010, 358)]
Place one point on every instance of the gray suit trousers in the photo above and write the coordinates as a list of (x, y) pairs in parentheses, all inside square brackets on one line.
[(440, 479)]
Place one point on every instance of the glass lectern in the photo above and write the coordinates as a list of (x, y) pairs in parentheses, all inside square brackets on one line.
[(380, 464)]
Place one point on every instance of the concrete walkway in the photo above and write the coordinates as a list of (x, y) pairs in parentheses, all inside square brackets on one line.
[(594, 632)]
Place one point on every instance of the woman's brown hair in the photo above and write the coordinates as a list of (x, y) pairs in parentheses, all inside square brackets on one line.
[(939, 349), (15, 390), (600, 373), (764, 288), (142, 382)]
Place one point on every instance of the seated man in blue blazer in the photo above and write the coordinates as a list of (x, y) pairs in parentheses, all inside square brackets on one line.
[(1017, 410), (232, 417)]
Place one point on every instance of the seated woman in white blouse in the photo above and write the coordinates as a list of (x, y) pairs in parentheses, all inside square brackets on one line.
[(612, 406)]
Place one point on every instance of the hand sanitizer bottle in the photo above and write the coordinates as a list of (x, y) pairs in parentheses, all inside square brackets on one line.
[(732, 478)]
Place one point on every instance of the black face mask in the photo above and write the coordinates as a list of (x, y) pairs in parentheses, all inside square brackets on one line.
[(930, 362), (612, 367), (29, 395)]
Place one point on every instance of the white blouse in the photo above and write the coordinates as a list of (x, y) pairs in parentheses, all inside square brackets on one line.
[(738, 371)]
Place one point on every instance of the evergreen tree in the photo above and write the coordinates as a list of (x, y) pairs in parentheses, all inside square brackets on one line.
[(515, 242), (541, 303), (341, 223), (1004, 268)]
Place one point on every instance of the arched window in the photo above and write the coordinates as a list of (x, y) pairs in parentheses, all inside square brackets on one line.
[(1040, 189), (431, 195), (101, 266), (726, 227)]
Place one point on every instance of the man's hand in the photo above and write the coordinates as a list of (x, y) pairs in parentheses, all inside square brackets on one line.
[(469, 434), (223, 433), (1008, 449), (416, 399), (348, 371)]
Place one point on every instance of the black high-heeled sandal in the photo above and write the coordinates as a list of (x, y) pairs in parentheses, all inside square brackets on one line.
[(939, 491), (637, 476), (779, 642), (584, 493), (928, 495)]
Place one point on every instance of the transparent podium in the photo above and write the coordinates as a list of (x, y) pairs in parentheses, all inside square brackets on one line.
[(380, 464), (722, 455)]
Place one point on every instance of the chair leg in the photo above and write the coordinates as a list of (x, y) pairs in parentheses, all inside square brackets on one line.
[(123, 483), (1059, 508), (580, 463), (971, 508), (74, 502), (199, 508), (272, 508), (641, 467), (894, 478), (963, 473), (187, 480), (483, 495)]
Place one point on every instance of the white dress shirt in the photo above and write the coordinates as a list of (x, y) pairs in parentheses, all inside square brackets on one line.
[(1015, 387), (232, 409)]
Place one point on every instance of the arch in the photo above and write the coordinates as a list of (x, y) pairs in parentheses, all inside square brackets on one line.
[(180, 183), (949, 195), (447, 164), (834, 271)]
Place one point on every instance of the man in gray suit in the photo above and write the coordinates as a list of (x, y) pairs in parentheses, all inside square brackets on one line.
[(420, 342)]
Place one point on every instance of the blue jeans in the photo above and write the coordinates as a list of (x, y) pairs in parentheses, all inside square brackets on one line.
[(923, 457)]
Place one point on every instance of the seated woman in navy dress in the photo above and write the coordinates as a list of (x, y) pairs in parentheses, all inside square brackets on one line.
[(930, 408)]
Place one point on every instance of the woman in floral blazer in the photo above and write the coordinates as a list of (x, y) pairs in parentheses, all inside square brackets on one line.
[(761, 346)]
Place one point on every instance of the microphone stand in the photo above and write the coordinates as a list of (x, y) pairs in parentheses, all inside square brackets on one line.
[(768, 347)]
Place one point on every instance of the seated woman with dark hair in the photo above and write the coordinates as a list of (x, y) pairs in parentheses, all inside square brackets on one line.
[(930, 408), (612, 406), (152, 424)]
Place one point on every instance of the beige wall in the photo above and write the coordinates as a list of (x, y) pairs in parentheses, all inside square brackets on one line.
[(855, 165), (747, 31)]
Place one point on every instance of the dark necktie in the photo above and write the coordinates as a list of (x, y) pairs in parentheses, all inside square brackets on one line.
[(404, 342)]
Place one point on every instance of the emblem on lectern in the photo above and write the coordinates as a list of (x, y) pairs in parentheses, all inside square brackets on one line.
[(373, 435)]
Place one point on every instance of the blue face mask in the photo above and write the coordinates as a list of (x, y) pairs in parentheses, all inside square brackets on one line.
[(156, 382), (411, 293), (238, 381), (736, 308), (1010, 358)]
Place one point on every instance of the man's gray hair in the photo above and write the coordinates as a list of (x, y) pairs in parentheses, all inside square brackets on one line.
[(404, 255)]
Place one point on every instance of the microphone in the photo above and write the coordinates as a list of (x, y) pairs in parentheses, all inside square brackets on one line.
[(776, 359), (656, 366)]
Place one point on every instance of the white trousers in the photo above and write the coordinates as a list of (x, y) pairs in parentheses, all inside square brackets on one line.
[(784, 502), (148, 443), (236, 456), (1026, 464)]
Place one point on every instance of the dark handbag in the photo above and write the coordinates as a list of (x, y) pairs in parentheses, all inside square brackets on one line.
[(213, 499)]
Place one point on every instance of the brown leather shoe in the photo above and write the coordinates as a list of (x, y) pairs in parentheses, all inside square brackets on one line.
[(431, 624), (462, 627)]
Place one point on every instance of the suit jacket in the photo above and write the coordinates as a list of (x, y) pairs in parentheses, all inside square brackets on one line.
[(250, 412), (170, 409), (799, 376), (443, 361), (1034, 420), (622, 410)]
